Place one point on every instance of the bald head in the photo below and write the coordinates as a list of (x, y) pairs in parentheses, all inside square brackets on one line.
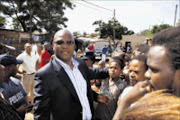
[(63, 45), (28, 48), (27, 45), (46, 46), (62, 33)]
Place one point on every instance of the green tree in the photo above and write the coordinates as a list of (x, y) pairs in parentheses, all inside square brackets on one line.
[(106, 29), (157, 28), (76, 33), (36, 14), (146, 33), (130, 32), (2, 22), (84, 34), (16, 25)]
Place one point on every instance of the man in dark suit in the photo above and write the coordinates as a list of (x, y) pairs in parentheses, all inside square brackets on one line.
[(62, 87)]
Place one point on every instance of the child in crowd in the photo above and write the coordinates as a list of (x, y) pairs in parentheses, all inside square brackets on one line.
[(112, 87)]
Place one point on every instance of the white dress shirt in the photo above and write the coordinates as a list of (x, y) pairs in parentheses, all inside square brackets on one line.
[(80, 86)]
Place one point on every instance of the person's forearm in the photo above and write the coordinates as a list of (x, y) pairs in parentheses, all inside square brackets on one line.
[(10, 47)]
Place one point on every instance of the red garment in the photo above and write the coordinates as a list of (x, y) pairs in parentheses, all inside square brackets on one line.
[(91, 47), (45, 56)]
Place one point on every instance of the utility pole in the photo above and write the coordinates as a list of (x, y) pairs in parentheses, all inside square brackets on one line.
[(175, 15), (114, 34)]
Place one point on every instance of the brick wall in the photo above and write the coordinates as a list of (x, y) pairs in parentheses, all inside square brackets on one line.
[(17, 42)]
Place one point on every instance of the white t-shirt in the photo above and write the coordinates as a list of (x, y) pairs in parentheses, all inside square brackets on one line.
[(29, 62)]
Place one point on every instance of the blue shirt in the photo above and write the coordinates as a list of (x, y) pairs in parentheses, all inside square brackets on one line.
[(8, 42), (104, 50), (13, 92)]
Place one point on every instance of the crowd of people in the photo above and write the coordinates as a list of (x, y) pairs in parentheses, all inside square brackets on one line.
[(134, 85)]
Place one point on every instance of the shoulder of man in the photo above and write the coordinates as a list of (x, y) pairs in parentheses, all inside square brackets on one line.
[(43, 51), (15, 80), (21, 55)]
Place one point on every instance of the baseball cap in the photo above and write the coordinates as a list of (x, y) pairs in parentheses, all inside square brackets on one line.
[(6, 59)]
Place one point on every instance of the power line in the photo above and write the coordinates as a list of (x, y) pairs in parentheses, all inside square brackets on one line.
[(87, 6), (97, 5), (113, 11)]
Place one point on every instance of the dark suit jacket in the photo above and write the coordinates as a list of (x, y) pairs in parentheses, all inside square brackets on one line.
[(55, 97)]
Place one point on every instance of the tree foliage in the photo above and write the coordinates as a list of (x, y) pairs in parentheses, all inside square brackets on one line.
[(16, 25), (155, 29), (158, 28), (2, 22), (76, 33), (106, 29), (31, 15), (146, 33)]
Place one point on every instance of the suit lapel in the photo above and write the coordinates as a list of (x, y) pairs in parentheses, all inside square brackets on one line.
[(64, 78)]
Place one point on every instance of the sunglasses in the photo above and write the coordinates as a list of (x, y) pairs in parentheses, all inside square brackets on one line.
[(60, 42)]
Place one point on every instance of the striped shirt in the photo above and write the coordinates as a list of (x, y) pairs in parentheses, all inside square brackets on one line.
[(80, 86)]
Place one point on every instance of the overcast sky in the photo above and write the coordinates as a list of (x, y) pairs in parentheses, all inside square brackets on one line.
[(136, 15)]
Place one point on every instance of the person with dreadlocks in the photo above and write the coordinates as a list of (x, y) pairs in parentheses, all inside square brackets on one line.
[(162, 74)]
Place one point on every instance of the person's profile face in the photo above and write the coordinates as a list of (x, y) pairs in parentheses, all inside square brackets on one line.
[(160, 72), (47, 46), (12, 70), (62, 47), (89, 62), (39, 48), (136, 71)]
